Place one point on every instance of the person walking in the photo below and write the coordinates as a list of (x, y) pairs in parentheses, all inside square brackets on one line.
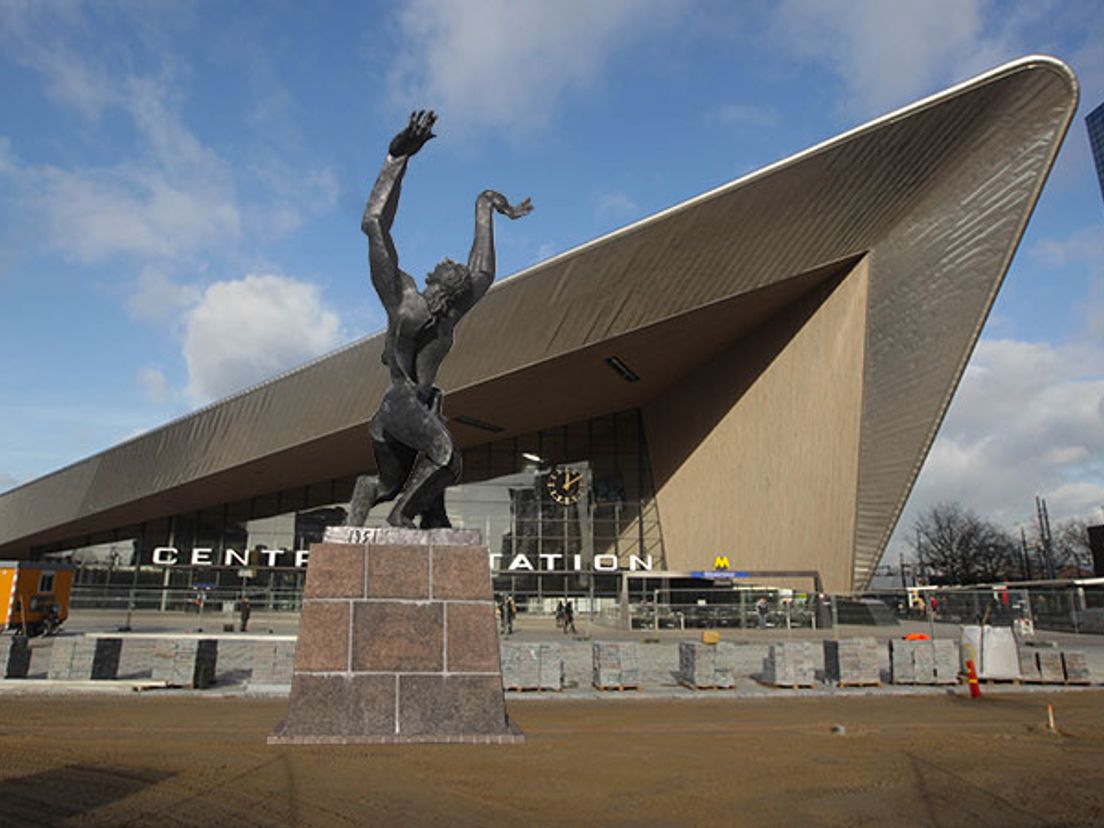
[(761, 610), (559, 614), (245, 610), (569, 618), (511, 614)]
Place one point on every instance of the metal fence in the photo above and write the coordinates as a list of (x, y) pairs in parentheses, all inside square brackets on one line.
[(186, 600), (1073, 609)]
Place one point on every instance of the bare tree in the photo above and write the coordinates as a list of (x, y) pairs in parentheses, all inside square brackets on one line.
[(955, 544), (1071, 546)]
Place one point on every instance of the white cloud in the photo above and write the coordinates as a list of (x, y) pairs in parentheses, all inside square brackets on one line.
[(175, 199), (614, 206), (505, 63), (247, 330), (34, 35), (889, 53), (156, 296), (1028, 419), (743, 116), (155, 385), (545, 251)]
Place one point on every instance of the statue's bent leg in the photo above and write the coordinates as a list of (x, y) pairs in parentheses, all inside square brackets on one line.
[(434, 516), (393, 462), (437, 468)]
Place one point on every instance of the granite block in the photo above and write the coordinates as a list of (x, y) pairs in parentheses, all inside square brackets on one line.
[(451, 704), (397, 637), (335, 571), (472, 640), (461, 573), (323, 637), (398, 572), (319, 706), (372, 704)]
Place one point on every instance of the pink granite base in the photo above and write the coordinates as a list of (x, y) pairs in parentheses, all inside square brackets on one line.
[(397, 643)]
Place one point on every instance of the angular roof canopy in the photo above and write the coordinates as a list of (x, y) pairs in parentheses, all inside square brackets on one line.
[(936, 194)]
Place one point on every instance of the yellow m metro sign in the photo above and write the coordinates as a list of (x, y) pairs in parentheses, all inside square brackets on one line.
[(720, 562)]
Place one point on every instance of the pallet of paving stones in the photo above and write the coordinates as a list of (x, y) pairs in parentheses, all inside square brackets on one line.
[(707, 666), (616, 665), (790, 665), (927, 661), (185, 662), (528, 667), (76, 658), (1076, 667), (852, 662), (272, 662)]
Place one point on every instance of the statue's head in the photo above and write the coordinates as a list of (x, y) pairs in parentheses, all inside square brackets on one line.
[(448, 282)]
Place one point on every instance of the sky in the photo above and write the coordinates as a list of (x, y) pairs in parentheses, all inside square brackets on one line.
[(181, 185)]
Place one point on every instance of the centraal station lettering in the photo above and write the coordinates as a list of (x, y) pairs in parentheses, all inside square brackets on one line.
[(298, 558)]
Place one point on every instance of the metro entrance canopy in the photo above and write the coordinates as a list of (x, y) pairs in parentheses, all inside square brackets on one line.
[(791, 340)]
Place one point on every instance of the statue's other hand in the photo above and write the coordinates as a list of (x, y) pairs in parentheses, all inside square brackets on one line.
[(515, 211), (414, 135)]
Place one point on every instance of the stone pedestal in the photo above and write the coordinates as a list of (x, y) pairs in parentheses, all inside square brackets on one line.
[(397, 642)]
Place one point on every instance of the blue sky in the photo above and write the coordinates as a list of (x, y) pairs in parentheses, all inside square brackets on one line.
[(181, 187)]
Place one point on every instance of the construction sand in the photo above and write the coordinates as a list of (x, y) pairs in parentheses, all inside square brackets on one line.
[(173, 760)]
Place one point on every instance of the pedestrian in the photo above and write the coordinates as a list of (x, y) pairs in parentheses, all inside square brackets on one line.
[(245, 611), (761, 610), (511, 614), (569, 618), (560, 614), (500, 612)]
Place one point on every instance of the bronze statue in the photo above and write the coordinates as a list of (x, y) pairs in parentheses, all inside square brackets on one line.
[(415, 457)]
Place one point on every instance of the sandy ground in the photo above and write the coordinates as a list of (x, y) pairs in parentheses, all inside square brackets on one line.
[(176, 760)]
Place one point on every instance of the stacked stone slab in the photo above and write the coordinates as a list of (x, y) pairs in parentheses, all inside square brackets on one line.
[(790, 664), (397, 642), (707, 666), (1029, 664), (532, 667), (923, 662), (852, 661), (80, 659), (1076, 667), (185, 662), (616, 665), (18, 659), (272, 662), (1051, 669)]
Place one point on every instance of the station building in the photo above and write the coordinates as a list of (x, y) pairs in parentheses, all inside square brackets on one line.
[(755, 374)]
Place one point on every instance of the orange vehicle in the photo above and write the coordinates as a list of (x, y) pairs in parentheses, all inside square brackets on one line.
[(34, 595)]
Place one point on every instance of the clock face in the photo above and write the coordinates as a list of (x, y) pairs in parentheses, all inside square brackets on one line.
[(565, 485)]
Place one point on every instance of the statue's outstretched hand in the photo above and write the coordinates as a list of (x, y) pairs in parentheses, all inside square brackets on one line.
[(414, 135), (513, 211)]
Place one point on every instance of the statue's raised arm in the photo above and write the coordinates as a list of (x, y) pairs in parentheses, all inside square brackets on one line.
[(379, 214)]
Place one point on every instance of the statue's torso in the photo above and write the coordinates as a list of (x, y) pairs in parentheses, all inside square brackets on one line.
[(416, 345)]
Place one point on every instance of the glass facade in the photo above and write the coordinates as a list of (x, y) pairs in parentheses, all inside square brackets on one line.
[(1094, 122), (545, 542)]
